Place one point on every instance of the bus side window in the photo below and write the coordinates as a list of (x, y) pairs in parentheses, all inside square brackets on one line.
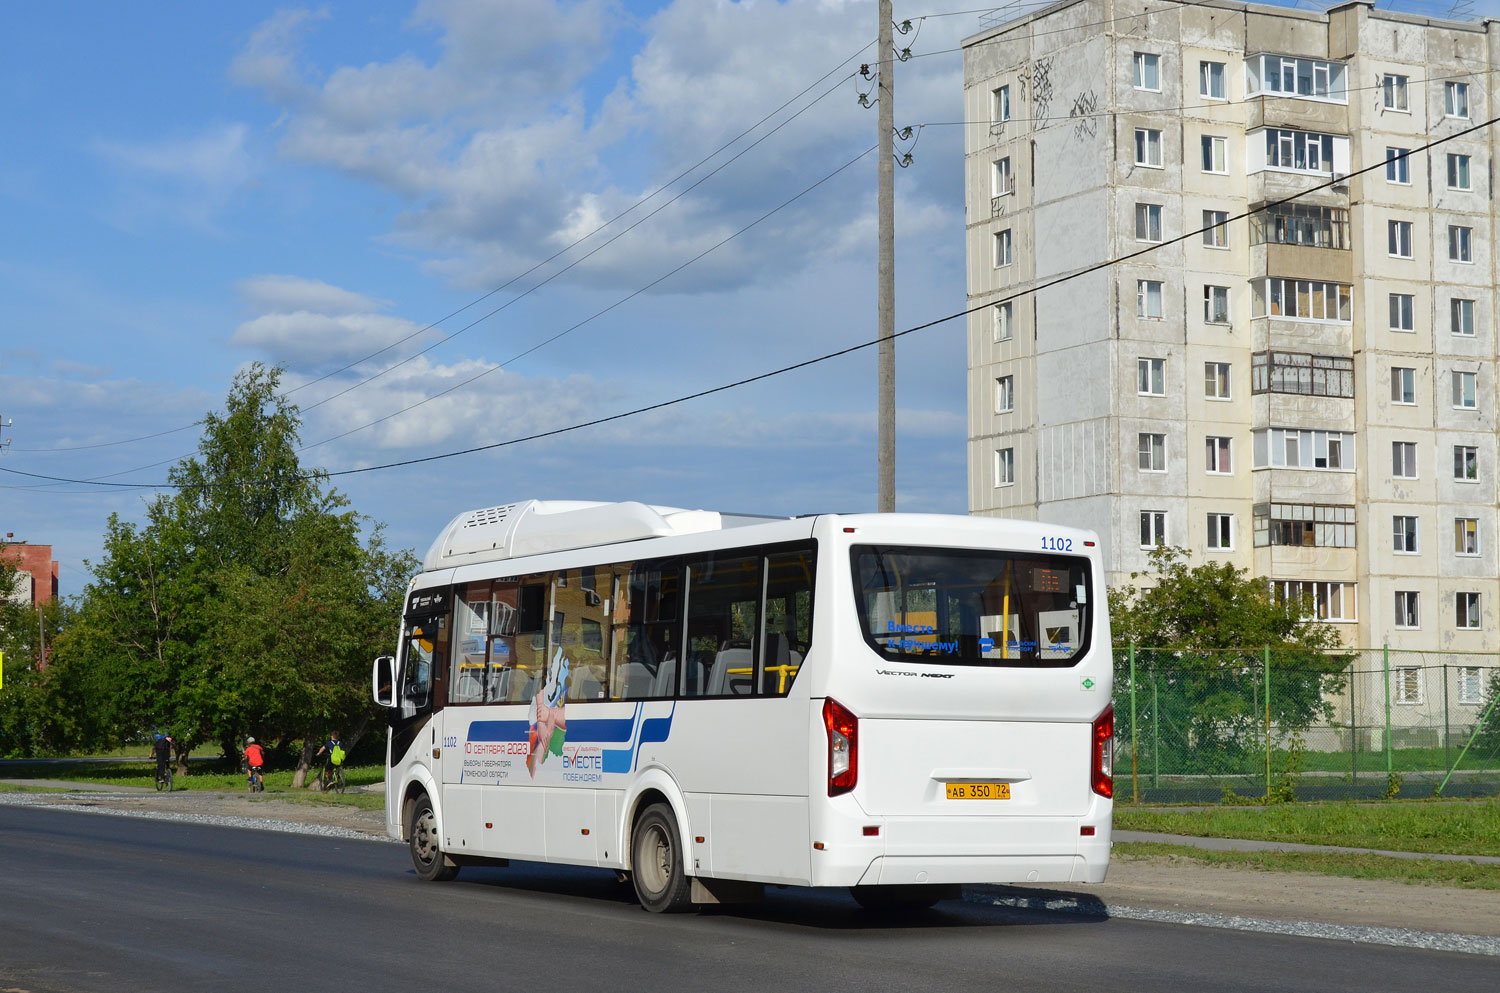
[(579, 622), (723, 624), (649, 667), (470, 644), (788, 618)]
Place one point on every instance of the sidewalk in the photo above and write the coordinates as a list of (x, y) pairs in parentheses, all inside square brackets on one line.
[(1246, 845)]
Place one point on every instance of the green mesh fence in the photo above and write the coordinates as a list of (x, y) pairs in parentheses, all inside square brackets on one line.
[(1204, 727)]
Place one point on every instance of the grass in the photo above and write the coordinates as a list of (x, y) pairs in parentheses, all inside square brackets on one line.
[(1428, 827), (205, 777), (1465, 875)]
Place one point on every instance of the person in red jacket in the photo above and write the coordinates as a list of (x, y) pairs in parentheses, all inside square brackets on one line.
[(255, 758)]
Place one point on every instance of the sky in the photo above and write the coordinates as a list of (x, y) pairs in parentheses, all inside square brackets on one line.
[(388, 198)]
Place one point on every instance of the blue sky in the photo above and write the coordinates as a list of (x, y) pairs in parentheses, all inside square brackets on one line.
[(187, 188)]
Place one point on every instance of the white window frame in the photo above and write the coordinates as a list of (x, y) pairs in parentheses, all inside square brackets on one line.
[(1302, 448), (1284, 76), (1398, 166), (1218, 454), (1463, 457), (1461, 317), (1002, 180), (1398, 239), (1403, 307), (1456, 100), (1403, 386), (1220, 533), (1284, 293), (1466, 537), (1215, 149), (1148, 298), (1216, 229), (1470, 677), (1153, 528), (1466, 617), (1148, 222), (1002, 316), (1005, 467), (1459, 176), (1151, 451), (1147, 65), (1408, 614), (1150, 377), (1406, 534), (1404, 460), (1000, 104), (1217, 382), (1315, 150), (1215, 304), (1327, 598), (1393, 93), (1005, 394), (1147, 141), (1005, 251), (1465, 390), (1407, 681), (1461, 244), (1209, 74)]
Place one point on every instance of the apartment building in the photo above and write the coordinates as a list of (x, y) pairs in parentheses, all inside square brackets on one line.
[(1308, 393)]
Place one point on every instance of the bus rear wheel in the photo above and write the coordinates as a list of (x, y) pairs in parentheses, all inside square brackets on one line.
[(426, 852), (661, 882)]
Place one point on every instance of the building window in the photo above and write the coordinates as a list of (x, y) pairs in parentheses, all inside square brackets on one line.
[(1458, 172), (1296, 224), (1005, 394), (1466, 536), (1286, 75), (1302, 374), (1408, 610), (1002, 313), (1316, 601), (1216, 380), (1000, 105), (1397, 166), (1211, 80), (1304, 525), (1404, 532), (1148, 298), (1456, 100), (1393, 92), (1466, 463), (1215, 154), (1003, 256), (1216, 304), (1464, 390), (1219, 460), (1153, 528), (1151, 377), (1299, 151), (1294, 448), (1215, 228), (1148, 147), (1151, 452), (1302, 300), (1148, 222), (1221, 532), (1408, 679), (1470, 687), (1005, 466), (1148, 72), (1403, 312), (1403, 385), (1404, 459), (1466, 616), (1398, 239), (1461, 313), (1459, 238), (1001, 181)]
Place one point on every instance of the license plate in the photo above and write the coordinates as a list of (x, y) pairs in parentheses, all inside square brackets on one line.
[(978, 791)]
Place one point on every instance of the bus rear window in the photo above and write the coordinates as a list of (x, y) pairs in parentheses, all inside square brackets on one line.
[(973, 606)]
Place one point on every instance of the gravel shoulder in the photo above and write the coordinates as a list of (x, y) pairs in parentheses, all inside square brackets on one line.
[(1164, 883)]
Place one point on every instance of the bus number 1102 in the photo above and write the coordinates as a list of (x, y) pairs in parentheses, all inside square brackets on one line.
[(1057, 544)]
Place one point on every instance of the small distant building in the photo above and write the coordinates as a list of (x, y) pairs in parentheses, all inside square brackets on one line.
[(36, 572)]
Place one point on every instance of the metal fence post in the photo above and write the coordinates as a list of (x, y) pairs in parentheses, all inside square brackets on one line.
[(1447, 753), (1386, 663), (1266, 669), (1135, 786), (1353, 725), (1155, 735)]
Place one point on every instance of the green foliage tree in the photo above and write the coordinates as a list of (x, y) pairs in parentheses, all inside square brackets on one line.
[(1202, 634), (245, 603)]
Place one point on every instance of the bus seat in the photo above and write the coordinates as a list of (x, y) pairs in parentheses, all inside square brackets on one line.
[(469, 688), (721, 681), (665, 682)]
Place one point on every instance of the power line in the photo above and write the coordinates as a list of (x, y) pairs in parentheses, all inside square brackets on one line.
[(1057, 281)]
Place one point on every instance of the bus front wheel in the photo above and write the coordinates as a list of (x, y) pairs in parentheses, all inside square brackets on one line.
[(426, 853), (661, 882)]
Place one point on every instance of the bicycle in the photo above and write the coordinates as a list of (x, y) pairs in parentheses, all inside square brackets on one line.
[(164, 781), (256, 780), (333, 782)]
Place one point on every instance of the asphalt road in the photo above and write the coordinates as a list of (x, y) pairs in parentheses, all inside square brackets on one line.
[(97, 903)]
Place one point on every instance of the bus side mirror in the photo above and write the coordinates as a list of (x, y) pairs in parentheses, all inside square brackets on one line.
[(383, 681)]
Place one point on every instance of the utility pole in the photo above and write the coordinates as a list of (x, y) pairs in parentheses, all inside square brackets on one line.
[(885, 275)]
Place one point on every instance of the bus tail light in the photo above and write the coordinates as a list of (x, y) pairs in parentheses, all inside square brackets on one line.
[(843, 747), (1103, 764)]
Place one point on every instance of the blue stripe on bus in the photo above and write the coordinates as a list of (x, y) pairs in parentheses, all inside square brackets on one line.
[(655, 729), (590, 731)]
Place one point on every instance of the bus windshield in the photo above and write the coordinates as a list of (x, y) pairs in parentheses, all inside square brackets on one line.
[(973, 606)]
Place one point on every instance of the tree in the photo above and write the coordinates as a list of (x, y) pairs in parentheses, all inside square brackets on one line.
[(245, 603), (1206, 631)]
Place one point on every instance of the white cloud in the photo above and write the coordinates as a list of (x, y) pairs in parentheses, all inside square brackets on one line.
[(303, 339), (215, 159), (279, 292)]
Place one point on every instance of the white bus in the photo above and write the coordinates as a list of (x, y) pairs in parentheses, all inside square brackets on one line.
[(894, 703)]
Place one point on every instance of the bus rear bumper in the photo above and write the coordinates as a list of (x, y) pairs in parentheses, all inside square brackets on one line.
[(900, 870)]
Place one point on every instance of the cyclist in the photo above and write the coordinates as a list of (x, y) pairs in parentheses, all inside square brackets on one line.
[(163, 750), (255, 757), (334, 752)]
